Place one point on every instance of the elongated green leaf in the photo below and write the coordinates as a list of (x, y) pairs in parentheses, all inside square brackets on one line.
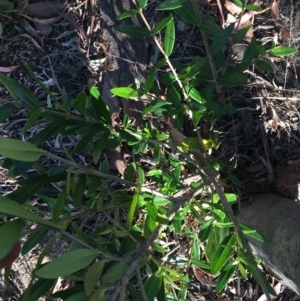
[(170, 4), (6, 110), (9, 235), (152, 286), (222, 253), (100, 107), (187, 13), (67, 264), (225, 276), (51, 129), (282, 51), (114, 272), (249, 231), (7, 206), (161, 24), (169, 39), (126, 92), (132, 209), (127, 14), (19, 150), (19, 92), (195, 94), (92, 276), (33, 239), (133, 30), (210, 27), (142, 3), (38, 289)]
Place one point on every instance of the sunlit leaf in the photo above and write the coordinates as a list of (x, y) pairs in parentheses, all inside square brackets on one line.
[(249, 231), (222, 253), (282, 51), (132, 210), (142, 4), (169, 39), (225, 276), (161, 24), (126, 92)]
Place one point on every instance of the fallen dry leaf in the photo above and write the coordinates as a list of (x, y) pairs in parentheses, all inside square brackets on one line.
[(9, 69), (275, 10), (203, 277), (232, 8)]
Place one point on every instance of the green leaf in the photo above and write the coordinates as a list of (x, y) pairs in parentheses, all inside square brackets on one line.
[(238, 3), (253, 7), (161, 24), (19, 150), (282, 51), (170, 4), (265, 65), (9, 234), (126, 92), (78, 190), (225, 276), (141, 176), (92, 276), (221, 39), (19, 92), (114, 272), (51, 129), (39, 289), (6, 5), (67, 264), (195, 94), (33, 239), (133, 30), (6, 110), (59, 205), (222, 253), (232, 79), (210, 27), (187, 13), (127, 14), (152, 286), (132, 209), (7, 206), (99, 106), (81, 103), (249, 231), (169, 39), (142, 4), (196, 251)]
